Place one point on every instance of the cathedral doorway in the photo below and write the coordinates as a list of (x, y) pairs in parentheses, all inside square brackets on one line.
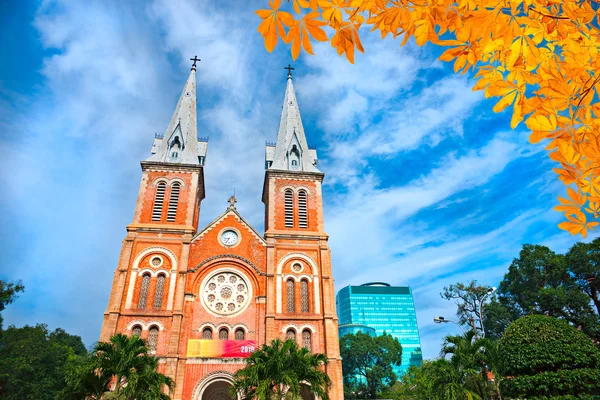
[(215, 386), (217, 390), (306, 394)]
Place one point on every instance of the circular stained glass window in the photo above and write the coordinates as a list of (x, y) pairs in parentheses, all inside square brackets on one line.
[(226, 293)]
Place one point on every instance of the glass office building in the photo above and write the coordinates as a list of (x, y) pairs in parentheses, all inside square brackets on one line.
[(352, 329), (385, 308)]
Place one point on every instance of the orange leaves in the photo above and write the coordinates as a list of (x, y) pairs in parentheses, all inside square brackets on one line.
[(301, 31), (272, 26), (542, 57), (345, 39)]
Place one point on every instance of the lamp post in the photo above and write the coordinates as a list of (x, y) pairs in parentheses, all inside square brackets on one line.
[(439, 320), (490, 291)]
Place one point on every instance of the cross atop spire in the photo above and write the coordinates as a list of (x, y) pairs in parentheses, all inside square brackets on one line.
[(195, 59), (290, 69)]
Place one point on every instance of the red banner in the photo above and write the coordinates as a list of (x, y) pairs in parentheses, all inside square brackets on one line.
[(220, 348)]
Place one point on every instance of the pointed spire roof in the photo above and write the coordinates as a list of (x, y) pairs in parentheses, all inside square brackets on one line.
[(291, 150), (180, 141)]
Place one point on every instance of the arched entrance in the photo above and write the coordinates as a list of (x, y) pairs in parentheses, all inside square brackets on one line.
[(214, 386), (217, 390), (305, 393)]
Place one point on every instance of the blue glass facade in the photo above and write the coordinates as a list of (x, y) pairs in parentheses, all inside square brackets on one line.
[(385, 308), (351, 329)]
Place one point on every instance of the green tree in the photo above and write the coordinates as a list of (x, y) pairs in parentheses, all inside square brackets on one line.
[(123, 364), (546, 358), (473, 358), (33, 361), (282, 370), (8, 294), (368, 363), (583, 262), (435, 380), (541, 282), (469, 300)]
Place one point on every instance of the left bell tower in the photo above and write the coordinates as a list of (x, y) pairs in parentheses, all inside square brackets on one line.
[(147, 296)]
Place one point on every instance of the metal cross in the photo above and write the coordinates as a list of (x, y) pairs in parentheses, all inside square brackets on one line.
[(232, 202), (195, 59), (290, 69)]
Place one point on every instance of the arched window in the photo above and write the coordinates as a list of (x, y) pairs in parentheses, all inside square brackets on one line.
[(172, 211), (223, 334), (159, 200), (304, 294), (294, 157), (136, 331), (175, 148), (160, 288), (290, 335), (240, 334), (207, 333), (152, 339), (290, 295), (144, 291), (289, 208), (306, 339), (302, 211)]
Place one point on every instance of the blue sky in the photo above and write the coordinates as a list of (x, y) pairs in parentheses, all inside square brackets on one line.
[(425, 185)]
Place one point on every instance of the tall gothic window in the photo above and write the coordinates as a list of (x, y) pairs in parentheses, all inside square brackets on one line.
[(223, 334), (152, 339), (136, 331), (239, 334), (144, 291), (207, 333), (290, 295), (160, 288), (302, 210), (290, 334), (172, 210), (306, 339), (289, 208), (304, 294), (159, 200)]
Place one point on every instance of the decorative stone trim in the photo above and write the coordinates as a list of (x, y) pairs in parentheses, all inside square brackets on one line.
[(279, 280), (234, 256), (145, 325)]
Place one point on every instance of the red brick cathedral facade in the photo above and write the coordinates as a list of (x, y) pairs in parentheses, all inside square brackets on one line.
[(205, 298)]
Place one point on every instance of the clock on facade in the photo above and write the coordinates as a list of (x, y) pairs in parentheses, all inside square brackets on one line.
[(229, 237)]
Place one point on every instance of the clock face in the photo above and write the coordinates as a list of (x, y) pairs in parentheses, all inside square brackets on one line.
[(229, 238)]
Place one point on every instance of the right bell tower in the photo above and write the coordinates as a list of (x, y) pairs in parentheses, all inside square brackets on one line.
[(300, 291)]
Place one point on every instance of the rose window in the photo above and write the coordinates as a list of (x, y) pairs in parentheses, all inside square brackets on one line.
[(226, 293), (156, 261)]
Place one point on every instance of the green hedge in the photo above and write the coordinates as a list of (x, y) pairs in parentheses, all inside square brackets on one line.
[(546, 358)]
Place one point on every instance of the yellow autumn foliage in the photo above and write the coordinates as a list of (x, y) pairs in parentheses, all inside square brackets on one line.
[(542, 57)]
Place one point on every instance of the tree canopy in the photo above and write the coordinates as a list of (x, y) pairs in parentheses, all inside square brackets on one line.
[(368, 363), (8, 294), (542, 57), (34, 360), (541, 281), (546, 358), (282, 370)]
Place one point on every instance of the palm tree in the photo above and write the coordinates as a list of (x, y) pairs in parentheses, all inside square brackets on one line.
[(473, 358), (280, 371), (121, 370)]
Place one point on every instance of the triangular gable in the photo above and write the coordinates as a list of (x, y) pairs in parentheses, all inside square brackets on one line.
[(224, 215)]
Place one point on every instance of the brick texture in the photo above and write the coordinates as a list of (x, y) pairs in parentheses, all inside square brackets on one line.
[(189, 257)]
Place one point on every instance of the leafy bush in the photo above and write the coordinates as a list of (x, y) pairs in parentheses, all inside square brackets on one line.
[(546, 358)]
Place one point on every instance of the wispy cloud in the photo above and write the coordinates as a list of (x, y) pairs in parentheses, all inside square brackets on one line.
[(423, 184)]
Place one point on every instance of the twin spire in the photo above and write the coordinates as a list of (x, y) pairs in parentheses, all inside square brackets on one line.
[(180, 143)]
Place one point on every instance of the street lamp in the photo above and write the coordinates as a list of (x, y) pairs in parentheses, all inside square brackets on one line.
[(439, 320), (490, 291)]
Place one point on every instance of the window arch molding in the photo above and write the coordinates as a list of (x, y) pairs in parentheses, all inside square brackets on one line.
[(207, 325), (294, 189), (168, 182), (280, 281), (136, 268), (297, 278), (154, 272), (145, 325)]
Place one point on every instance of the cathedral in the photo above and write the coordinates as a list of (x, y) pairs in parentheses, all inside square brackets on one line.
[(204, 299)]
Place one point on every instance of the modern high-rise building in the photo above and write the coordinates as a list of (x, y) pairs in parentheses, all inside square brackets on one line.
[(385, 308)]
